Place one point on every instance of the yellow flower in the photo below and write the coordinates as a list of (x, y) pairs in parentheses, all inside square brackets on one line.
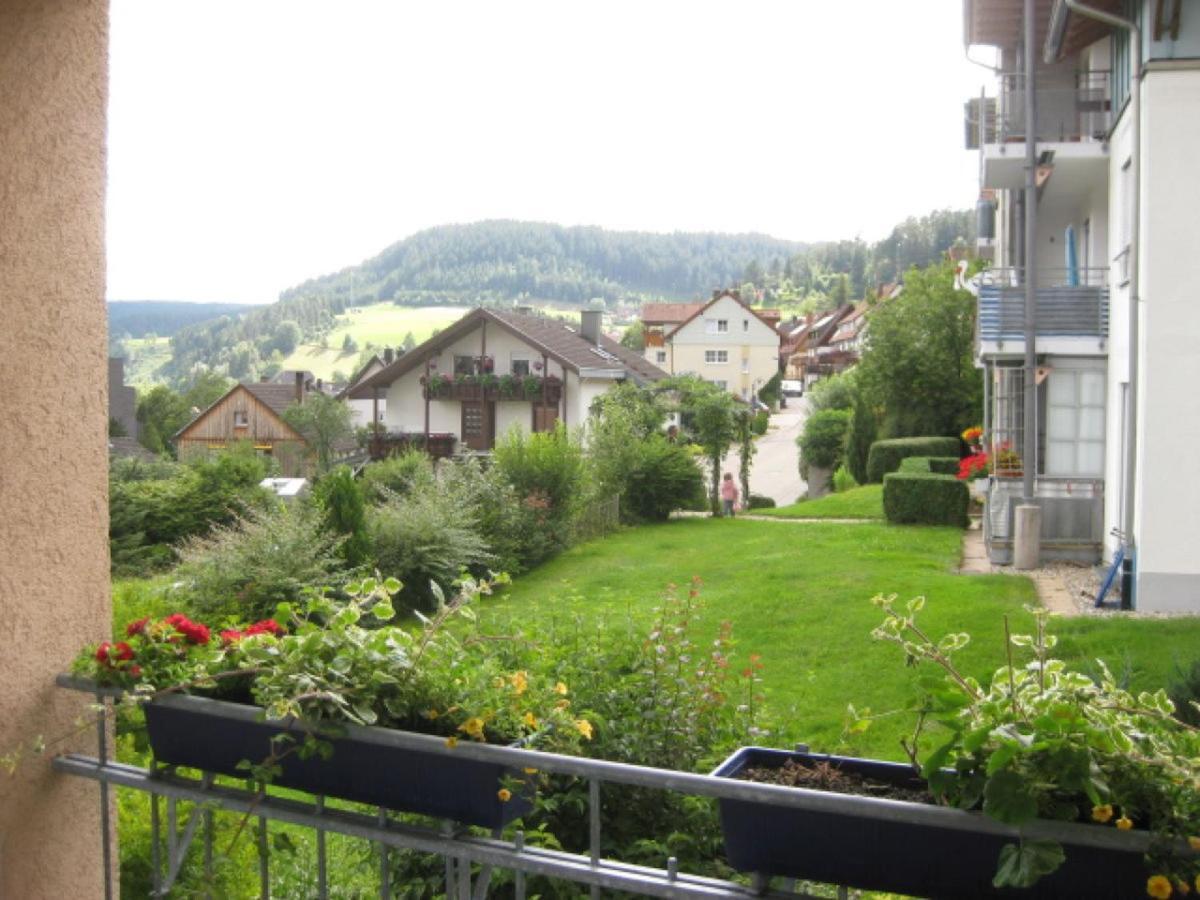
[(530, 771), (473, 727), (562, 704), (1124, 823), (1183, 888), (1198, 884), (1158, 886), (1102, 813), (430, 714), (504, 794), (584, 727), (451, 742), (1194, 843), (529, 719), (560, 688), (520, 682)]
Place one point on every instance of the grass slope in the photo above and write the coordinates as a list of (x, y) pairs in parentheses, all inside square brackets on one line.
[(799, 596), (146, 358), (864, 502)]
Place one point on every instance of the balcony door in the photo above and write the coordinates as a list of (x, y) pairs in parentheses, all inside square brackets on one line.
[(479, 424)]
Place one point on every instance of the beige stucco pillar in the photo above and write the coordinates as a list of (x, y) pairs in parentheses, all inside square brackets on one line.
[(54, 587)]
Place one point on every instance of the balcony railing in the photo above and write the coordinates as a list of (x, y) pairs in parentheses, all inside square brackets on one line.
[(438, 445), (495, 387), (1072, 517), (1082, 112), (1069, 304)]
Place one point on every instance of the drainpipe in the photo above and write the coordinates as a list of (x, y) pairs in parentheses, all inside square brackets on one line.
[(1027, 517), (1135, 111)]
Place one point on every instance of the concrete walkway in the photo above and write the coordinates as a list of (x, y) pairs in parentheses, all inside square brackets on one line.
[(1052, 588), (775, 469)]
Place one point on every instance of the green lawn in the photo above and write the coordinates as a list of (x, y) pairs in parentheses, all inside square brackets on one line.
[(799, 595), (864, 502)]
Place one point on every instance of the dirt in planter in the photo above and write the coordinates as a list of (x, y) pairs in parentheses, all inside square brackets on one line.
[(823, 776)]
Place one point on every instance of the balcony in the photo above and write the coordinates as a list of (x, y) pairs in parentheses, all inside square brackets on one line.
[(546, 390), (1072, 311), (1072, 517), (382, 444)]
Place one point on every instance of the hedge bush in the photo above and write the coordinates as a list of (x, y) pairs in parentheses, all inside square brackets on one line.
[(936, 465), (757, 501), (923, 498), (885, 456), (823, 440)]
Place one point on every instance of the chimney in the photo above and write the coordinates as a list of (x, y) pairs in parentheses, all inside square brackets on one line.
[(589, 325), (389, 356), (299, 387)]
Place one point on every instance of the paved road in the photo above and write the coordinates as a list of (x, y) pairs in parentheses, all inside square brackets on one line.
[(775, 470)]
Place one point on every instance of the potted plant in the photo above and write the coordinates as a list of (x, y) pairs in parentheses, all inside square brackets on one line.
[(316, 707), (508, 386), (438, 386), (1047, 783), (532, 386)]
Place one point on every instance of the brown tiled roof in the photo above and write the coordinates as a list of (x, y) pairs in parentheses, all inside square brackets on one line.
[(553, 337), (720, 295), (276, 397), (668, 313)]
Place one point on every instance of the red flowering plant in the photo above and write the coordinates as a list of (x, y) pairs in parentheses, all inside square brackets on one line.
[(974, 466)]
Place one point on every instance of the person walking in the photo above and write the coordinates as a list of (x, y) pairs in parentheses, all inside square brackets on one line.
[(729, 494)]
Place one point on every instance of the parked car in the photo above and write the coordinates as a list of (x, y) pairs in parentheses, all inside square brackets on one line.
[(791, 388)]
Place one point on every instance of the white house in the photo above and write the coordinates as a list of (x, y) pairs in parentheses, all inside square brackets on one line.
[(1118, 189), (723, 341), (365, 411), (493, 369)]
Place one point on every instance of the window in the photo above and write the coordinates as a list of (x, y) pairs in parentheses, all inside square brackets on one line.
[(745, 367), (464, 365), (745, 324), (660, 356), (520, 366), (723, 385), (241, 419), (716, 326), (1075, 422), (713, 357)]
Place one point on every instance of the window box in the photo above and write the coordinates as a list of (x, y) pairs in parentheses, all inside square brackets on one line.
[(911, 848), (367, 766)]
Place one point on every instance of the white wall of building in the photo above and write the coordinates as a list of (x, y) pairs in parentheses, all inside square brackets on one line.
[(1168, 489)]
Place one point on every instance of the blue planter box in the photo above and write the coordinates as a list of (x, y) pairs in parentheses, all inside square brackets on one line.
[(215, 736), (862, 850)]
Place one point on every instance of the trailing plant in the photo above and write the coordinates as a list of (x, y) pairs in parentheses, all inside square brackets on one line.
[(1042, 741)]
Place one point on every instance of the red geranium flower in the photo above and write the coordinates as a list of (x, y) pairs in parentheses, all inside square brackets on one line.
[(119, 652), (266, 626), (231, 635), (137, 627)]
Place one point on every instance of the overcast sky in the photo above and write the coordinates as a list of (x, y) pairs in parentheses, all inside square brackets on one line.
[(253, 145)]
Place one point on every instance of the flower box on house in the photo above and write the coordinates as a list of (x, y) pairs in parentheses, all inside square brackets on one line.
[(378, 766), (880, 844)]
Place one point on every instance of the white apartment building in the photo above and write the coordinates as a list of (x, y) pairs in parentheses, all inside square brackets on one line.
[(723, 341), (1118, 187)]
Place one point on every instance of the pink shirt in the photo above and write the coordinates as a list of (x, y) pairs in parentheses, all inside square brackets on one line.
[(728, 489)]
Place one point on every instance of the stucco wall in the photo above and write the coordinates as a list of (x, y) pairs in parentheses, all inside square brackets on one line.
[(54, 587)]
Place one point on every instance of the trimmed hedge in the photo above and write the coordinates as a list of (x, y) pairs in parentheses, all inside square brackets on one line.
[(925, 498), (885, 456), (757, 501), (937, 465)]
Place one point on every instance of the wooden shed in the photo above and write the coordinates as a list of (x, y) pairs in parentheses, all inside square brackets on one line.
[(249, 412)]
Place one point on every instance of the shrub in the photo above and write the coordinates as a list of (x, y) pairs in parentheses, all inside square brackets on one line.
[(769, 392), (547, 467), (835, 392), (400, 473), (341, 502), (242, 570), (664, 478), (938, 465), (823, 440), (885, 456), (422, 539), (843, 480), (1184, 690), (760, 422), (914, 498), (863, 431), (758, 501)]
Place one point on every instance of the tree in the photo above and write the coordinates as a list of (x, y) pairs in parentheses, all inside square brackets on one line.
[(287, 336), (918, 366), (341, 500), (863, 431), (409, 342), (348, 344), (634, 337), (322, 421), (206, 389), (745, 437), (161, 412), (711, 414)]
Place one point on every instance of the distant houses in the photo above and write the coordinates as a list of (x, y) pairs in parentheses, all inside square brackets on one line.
[(489, 371), (252, 413), (725, 341)]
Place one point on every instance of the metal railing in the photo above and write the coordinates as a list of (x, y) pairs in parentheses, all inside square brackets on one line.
[(461, 849), (1079, 112), (1070, 303), (1072, 516)]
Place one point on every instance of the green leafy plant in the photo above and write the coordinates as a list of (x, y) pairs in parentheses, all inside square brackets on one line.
[(823, 440), (1042, 741)]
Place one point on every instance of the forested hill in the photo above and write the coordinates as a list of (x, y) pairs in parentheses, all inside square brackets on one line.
[(142, 318), (503, 261)]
